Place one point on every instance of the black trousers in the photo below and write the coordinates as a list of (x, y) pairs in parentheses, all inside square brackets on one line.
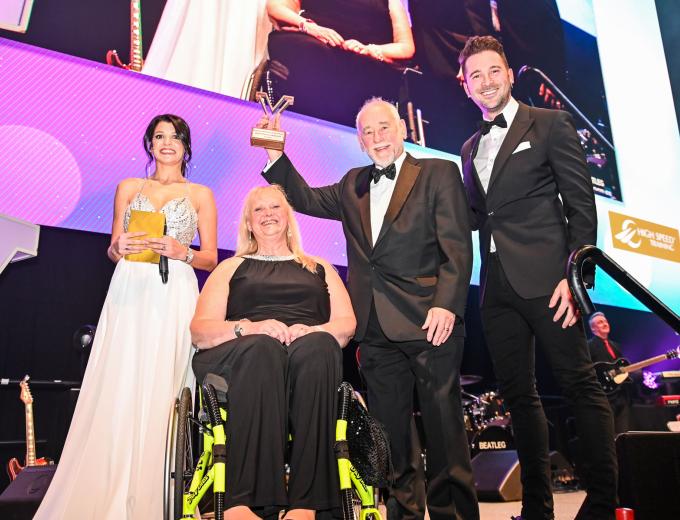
[(511, 324), (392, 372), (274, 390)]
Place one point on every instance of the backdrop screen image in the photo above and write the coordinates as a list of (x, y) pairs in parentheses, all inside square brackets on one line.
[(72, 129), (554, 57), (236, 48)]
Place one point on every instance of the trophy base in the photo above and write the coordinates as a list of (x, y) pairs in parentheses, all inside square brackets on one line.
[(264, 138)]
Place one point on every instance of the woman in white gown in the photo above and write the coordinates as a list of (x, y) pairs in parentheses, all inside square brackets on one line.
[(210, 44), (112, 463)]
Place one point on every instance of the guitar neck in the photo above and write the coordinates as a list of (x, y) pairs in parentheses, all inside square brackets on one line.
[(30, 436), (136, 55), (644, 363)]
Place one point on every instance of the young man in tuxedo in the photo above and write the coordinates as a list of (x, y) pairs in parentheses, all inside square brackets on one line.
[(409, 264), (604, 350), (531, 199)]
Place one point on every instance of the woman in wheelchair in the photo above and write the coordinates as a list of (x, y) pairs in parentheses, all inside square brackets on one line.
[(279, 349)]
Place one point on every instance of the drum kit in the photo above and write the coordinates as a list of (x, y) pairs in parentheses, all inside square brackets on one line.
[(487, 423)]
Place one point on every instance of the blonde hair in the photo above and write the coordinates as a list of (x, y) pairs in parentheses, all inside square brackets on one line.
[(246, 243)]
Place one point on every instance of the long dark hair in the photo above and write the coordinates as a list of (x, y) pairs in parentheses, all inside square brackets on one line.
[(182, 130)]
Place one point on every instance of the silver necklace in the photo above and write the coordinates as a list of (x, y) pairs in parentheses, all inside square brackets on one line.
[(270, 258)]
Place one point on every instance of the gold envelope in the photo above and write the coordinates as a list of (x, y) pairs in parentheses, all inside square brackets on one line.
[(153, 224)]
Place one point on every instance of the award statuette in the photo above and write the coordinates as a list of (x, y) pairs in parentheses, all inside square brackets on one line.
[(264, 137)]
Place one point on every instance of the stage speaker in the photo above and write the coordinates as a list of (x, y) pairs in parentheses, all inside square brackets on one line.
[(649, 473), (22, 497), (496, 475)]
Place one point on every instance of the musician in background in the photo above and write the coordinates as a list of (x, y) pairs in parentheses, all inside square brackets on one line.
[(604, 350)]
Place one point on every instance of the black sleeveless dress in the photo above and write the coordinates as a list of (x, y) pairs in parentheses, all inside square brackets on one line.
[(328, 82), (261, 289), (276, 389)]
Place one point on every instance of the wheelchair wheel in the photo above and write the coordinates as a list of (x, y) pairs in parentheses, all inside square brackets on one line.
[(351, 506), (184, 459)]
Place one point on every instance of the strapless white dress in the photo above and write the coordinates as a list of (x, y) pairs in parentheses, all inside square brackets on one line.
[(210, 44), (112, 463)]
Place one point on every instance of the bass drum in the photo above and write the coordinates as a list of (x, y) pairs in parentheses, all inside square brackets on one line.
[(493, 437)]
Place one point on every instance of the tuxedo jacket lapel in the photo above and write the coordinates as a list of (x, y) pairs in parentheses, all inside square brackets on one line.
[(364, 201), (469, 164), (520, 125), (405, 181)]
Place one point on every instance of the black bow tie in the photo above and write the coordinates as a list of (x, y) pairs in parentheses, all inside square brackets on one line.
[(390, 172), (499, 120)]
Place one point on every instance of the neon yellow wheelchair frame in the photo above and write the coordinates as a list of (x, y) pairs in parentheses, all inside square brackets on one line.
[(349, 476), (209, 472)]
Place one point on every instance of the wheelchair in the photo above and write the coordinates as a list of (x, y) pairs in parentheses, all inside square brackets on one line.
[(196, 455)]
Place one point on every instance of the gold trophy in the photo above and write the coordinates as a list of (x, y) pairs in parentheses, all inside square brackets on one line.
[(264, 137)]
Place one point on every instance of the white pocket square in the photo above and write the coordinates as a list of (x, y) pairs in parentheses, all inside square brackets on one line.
[(522, 146)]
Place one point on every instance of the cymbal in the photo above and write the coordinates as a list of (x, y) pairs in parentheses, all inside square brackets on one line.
[(470, 379)]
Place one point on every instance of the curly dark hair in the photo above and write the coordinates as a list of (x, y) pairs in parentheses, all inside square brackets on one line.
[(183, 132), (476, 44)]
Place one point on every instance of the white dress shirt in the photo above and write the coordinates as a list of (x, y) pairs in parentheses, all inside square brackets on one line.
[(488, 148), (381, 194)]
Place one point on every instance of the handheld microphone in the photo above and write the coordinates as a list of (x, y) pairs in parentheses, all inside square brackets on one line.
[(163, 262)]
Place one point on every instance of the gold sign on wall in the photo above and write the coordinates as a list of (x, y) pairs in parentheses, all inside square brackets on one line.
[(644, 237)]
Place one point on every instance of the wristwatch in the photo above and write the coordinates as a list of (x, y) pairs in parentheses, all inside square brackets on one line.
[(238, 330), (190, 255)]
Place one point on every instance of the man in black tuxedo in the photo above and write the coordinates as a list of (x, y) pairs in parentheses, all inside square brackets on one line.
[(409, 263), (531, 200), (604, 350)]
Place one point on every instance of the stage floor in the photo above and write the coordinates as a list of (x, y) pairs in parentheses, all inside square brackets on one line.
[(566, 507)]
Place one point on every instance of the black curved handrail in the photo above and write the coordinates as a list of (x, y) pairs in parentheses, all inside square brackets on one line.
[(618, 273)]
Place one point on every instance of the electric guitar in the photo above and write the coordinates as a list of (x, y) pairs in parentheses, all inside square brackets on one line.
[(14, 467), (611, 375), (136, 58)]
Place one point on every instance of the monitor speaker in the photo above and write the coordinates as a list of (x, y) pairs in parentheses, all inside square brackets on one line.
[(496, 475), (21, 498), (649, 473)]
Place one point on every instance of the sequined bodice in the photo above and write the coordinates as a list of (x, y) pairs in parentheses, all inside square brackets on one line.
[(181, 218)]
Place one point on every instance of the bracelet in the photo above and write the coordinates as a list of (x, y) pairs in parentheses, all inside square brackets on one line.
[(238, 330), (302, 26)]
